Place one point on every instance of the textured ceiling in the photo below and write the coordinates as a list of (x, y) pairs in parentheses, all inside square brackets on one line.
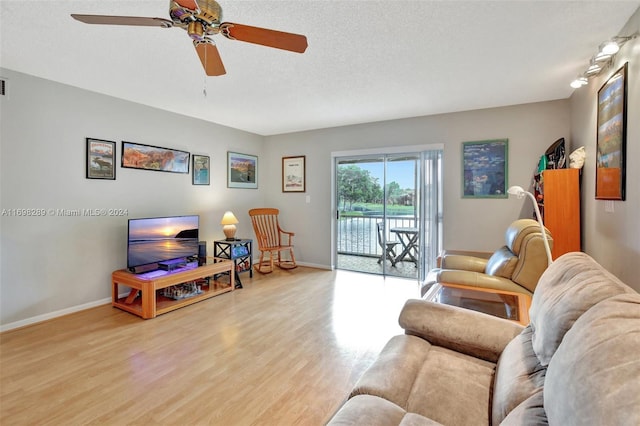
[(366, 61)]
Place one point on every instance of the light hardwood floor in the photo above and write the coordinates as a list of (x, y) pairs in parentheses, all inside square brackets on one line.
[(285, 350)]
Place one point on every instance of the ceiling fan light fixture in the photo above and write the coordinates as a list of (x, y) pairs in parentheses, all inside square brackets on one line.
[(195, 30)]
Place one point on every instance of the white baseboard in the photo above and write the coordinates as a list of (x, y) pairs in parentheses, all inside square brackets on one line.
[(55, 314), (314, 265)]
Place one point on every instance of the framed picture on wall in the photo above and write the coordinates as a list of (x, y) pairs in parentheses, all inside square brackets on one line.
[(612, 137), (149, 157), (101, 159), (242, 170), (484, 167), (293, 174), (201, 167)]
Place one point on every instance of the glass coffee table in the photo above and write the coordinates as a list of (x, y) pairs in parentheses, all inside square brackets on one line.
[(503, 304)]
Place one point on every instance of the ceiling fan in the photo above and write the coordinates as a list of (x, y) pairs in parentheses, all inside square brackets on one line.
[(201, 19)]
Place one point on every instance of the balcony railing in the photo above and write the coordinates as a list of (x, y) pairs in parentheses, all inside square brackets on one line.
[(358, 235)]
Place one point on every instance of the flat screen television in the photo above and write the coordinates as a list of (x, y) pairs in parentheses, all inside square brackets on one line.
[(158, 239)]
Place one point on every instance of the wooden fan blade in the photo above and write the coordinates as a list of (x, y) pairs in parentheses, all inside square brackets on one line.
[(123, 20), (187, 4), (210, 58), (271, 38)]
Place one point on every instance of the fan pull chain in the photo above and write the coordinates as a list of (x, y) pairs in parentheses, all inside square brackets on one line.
[(204, 78)]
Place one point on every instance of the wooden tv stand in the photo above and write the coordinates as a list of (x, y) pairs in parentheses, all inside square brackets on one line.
[(143, 299)]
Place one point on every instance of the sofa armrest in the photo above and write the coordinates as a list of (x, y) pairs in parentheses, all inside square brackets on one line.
[(445, 253), (478, 279), (464, 263), (462, 330)]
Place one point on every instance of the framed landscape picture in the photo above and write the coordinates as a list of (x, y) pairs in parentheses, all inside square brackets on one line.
[(201, 167), (612, 137), (242, 170), (101, 159), (484, 166), (149, 157), (293, 174)]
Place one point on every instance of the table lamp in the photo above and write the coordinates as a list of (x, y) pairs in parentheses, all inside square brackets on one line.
[(521, 193), (229, 221)]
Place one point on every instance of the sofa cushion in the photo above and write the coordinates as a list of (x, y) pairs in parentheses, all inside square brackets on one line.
[(528, 412), (501, 263), (594, 376), (443, 385), (395, 370), (517, 232), (519, 376), (532, 261), (569, 287), (373, 411)]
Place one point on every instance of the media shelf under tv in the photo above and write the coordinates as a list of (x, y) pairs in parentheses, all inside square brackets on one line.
[(147, 302)]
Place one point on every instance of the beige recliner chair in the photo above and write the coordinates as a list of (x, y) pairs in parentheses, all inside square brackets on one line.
[(516, 266)]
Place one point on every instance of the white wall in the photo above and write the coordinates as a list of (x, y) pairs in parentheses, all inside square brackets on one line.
[(476, 224), (51, 263), (55, 263), (613, 239)]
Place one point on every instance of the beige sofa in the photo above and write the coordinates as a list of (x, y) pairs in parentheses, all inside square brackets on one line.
[(576, 363)]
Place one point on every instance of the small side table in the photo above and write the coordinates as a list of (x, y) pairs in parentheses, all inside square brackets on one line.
[(240, 252)]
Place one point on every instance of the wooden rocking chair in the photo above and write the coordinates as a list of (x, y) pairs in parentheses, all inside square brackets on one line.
[(272, 240)]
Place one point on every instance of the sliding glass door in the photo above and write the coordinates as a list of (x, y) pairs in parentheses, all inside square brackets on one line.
[(384, 223)]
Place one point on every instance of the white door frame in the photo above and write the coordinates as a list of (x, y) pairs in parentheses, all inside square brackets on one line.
[(394, 150)]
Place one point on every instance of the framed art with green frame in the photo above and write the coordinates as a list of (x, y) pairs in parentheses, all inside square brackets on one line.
[(484, 166)]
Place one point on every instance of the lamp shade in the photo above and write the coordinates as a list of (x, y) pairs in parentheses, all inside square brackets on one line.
[(516, 191), (228, 219)]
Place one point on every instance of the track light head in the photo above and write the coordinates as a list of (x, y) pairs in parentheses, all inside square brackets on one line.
[(610, 48), (579, 82)]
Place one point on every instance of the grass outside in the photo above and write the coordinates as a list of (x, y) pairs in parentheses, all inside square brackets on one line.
[(373, 209)]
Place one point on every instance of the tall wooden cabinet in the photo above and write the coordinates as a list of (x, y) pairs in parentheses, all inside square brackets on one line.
[(558, 195)]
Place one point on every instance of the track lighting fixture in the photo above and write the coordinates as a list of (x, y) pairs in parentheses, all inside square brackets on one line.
[(602, 60)]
